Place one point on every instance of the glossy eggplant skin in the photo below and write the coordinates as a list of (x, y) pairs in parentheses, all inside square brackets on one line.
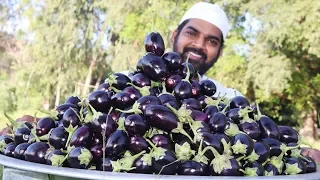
[(169, 157), (193, 168), (36, 152), (154, 43), (117, 144), (154, 67), (173, 61), (161, 117), (269, 128), (288, 134)]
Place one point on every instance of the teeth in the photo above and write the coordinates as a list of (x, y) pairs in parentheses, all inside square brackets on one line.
[(195, 55)]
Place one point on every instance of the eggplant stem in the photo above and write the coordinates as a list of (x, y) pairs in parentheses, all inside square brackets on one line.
[(188, 70), (182, 131), (168, 165), (258, 111), (103, 148), (151, 144), (240, 158)]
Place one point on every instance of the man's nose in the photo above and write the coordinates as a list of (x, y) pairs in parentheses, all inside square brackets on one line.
[(199, 43)]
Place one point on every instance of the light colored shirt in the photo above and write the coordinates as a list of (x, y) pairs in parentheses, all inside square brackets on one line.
[(228, 92)]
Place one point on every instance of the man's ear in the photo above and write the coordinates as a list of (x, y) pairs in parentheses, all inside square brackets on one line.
[(173, 36)]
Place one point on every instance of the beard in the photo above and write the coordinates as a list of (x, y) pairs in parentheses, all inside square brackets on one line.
[(201, 66)]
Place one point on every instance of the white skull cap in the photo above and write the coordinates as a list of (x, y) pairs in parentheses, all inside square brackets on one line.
[(211, 13)]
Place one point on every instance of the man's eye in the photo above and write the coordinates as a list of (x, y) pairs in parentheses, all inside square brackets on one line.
[(213, 42), (191, 33)]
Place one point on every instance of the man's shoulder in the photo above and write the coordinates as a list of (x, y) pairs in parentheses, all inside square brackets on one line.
[(228, 92)]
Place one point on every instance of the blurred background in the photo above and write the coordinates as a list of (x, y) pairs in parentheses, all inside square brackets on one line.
[(51, 49)]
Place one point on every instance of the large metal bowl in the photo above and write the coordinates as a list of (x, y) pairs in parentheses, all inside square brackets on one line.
[(93, 174)]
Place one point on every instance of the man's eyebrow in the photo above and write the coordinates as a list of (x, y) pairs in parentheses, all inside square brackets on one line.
[(208, 37)]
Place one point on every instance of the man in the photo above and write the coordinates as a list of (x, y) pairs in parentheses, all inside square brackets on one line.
[(201, 34)]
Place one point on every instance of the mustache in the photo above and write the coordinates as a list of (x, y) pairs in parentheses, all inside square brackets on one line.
[(195, 50)]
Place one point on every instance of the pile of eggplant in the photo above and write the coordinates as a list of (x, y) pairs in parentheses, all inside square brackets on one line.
[(159, 118)]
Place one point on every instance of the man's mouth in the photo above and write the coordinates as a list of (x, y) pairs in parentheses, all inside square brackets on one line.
[(194, 55)]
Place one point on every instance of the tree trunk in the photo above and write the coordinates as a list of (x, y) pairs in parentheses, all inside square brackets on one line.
[(101, 72), (89, 77), (58, 88), (309, 130)]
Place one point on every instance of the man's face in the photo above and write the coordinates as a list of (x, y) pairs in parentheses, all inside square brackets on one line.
[(201, 41)]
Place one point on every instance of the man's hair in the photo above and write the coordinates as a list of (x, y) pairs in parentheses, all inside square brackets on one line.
[(180, 27)]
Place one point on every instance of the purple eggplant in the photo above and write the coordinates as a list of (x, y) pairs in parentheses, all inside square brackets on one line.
[(253, 169), (191, 103), (146, 101), (62, 108), (36, 152), (268, 127), (73, 100), (97, 152), (4, 141), (100, 101), (56, 157), (71, 117), (193, 168), (117, 144), (288, 134), (122, 100), (239, 102), (274, 146), (210, 111), (154, 67), (199, 116), (104, 164), (21, 135), (165, 163), (153, 43), (233, 114), (208, 87), (209, 140), (252, 129), (310, 164), (138, 144), (44, 125), (196, 90), (80, 158), (162, 140), (171, 81), (270, 170), (134, 93), (141, 80), (294, 166), (218, 122), (242, 144), (58, 138), (173, 61), (82, 137), (185, 67), (260, 153), (104, 87), (118, 81), (161, 117), (104, 123), (143, 165), (202, 101), (10, 149), (135, 125)]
